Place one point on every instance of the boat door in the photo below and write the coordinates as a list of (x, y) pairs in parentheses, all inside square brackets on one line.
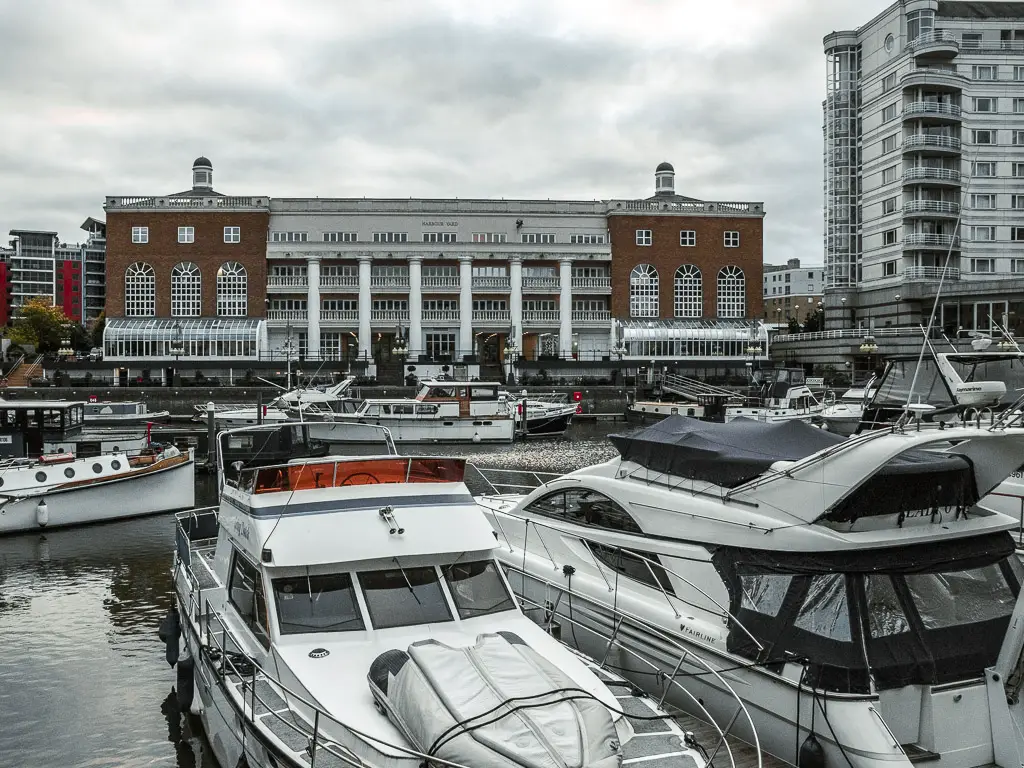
[(463, 395)]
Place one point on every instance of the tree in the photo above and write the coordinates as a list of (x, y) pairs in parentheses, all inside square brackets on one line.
[(794, 325), (96, 329), (814, 322), (40, 323)]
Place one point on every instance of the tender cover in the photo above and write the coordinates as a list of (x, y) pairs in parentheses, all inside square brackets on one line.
[(433, 686), (733, 453)]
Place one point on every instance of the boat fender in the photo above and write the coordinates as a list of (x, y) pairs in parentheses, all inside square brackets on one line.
[(186, 682), (42, 513), (811, 753), (169, 632)]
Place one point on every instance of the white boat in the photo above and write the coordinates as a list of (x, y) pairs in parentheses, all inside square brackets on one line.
[(59, 490), (441, 412), (853, 589), (349, 611), (283, 407), (541, 417), (783, 396), (842, 415), (110, 413)]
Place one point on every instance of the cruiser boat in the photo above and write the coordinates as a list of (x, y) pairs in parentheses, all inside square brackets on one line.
[(862, 600), (541, 418), (842, 415), (783, 395), (349, 611), (287, 406), (120, 413)]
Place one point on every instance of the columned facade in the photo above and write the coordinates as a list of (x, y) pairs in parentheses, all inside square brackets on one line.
[(313, 305)]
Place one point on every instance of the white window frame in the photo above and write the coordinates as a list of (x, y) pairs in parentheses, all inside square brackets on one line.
[(186, 234), (731, 238), (644, 291), (688, 238), (232, 234), (889, 143), (889, 174), (232, 290), (987, 166), (341, 237), (140, 290), (983, 234), (889, 205), (732, 292), (186, 290), (979, 72), (983, 202), (1017, 138), (890, 237), (645, 237), (140, 235), (977, 133), (688, 292), (587, 239), (986, 104), (439, 237)]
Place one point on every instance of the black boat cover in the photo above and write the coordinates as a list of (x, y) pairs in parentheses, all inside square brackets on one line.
[(740, 450)]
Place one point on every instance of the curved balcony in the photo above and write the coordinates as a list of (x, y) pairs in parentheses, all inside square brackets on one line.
[(931, 209), (925, 241), (943, 177), (925, 142), (937, 42), (934, 78), (932, 110), (931, 273)]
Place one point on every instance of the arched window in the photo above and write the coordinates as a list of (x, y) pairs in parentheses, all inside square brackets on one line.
[(232, 290), (732, 292), (186, 290), (140, 290), (689, 292), (643, 291)]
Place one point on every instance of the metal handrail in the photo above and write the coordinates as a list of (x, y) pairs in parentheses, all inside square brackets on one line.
[(619, 617)]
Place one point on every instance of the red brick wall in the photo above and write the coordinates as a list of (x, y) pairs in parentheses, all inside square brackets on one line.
[(209, 252), (69, 289), (666, 255)]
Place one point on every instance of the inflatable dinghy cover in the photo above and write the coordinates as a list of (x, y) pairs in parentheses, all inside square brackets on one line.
[(430, 688)]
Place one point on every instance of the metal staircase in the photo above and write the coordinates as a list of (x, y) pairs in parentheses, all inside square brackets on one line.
[(693, 389)]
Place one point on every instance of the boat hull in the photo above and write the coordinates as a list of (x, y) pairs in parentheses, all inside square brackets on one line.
[(349, 431), (125, 420), (547, 426), (160, 489)]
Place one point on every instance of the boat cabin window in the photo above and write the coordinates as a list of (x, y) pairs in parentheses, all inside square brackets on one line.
[(483, 393), (400, 597), (245, 590), (477, 588), (584, 507), (402, 408), (640, 566), (426, 409), (443, 392), (325, 603)]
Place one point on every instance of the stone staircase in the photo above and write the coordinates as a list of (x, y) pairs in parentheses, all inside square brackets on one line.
[(24, 373)]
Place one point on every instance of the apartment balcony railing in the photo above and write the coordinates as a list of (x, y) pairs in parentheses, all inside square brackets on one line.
[(439, 282), (286, 315), (541, 283), (1000, 46), (440, 315), (591, 316), (929, 141), (932, 109), (492, 316), (931, 207), (937, 42), (591, 284), (389, 316), (929, 240), (481, 283), (339, 281), (339, 315), (400, 282), (924, 173), (941, 77), (287, 281), (931, 273), (541, 317)]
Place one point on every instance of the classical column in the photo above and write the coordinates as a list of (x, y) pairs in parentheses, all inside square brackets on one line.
[(466, 305), (364, 306), (313, 306), (565, 309), (515, 264), (415, 340)]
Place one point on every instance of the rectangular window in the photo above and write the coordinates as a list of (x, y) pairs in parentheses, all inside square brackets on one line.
[(983, 265), (490, 237), (889, 143), (889, 237), (441, 305), (340, 305), (232, 234), (587, 239), (889, 113), (490, 270), (1018, 73), (1017, 266), (889, 174), (323, 603), (440, 345), (390, 237), (439, 237), (288, 237), (732, 239), (544, 305), (534, 238), (390, 305), (983, 234), (140, 234), (889, 82), (1018, 138), (983, 72), (644, 237), (985, 169), (983, 202), (1018, 105), (688, 238), (1017, 234), (1018, 202), (245, 590), (186, 234), (970, 40), (341, 237), (888, 206), (489, 305), (985, 104), (983, 137), (889, 268)]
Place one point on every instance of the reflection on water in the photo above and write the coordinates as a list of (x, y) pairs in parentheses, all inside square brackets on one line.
[(83, 681)]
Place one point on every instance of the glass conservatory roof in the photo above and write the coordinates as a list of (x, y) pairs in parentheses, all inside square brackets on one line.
[(685, 330), (165, 329)]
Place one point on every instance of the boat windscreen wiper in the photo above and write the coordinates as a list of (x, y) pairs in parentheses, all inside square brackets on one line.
[(407, 582)]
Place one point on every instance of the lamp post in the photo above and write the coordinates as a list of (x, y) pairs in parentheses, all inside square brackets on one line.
[(177, 349), (842, 303), (400, 349), (511, 353), (897, 297), (66, 351)]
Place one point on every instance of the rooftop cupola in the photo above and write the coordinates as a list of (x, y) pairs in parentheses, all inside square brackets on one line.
[(202, 174), (665, 179)]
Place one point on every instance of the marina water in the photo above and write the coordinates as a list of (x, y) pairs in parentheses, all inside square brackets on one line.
[(83, 680)]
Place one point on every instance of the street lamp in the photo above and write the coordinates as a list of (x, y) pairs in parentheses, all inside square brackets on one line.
[(869, 346), (897, 297), (511, 353), (177, 348), (400, 348)]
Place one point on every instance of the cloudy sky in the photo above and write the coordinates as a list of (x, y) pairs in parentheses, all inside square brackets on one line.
[(425, 98)]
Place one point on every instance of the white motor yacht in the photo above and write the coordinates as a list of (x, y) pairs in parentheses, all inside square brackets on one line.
[(842, 415), (783, 395), (120, 413), (855, 591), (539, 417), (349, 611), (285, 407)]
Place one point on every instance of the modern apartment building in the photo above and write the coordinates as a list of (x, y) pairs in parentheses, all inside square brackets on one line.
[(791, 292), (924, 167)]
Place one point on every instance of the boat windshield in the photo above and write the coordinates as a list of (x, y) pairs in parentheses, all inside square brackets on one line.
[(1009, 370), (477, 589), (894, 388), (924, 615), (325, 603)]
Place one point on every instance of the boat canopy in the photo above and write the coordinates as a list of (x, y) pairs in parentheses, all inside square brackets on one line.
[(740, 450)]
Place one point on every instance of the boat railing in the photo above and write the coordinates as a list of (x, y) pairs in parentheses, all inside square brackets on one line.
[(623, 621), (653, 566), (523, 481), (337, 472), (302, 717)]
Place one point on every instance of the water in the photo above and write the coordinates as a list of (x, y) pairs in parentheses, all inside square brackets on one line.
[(83, 681)]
